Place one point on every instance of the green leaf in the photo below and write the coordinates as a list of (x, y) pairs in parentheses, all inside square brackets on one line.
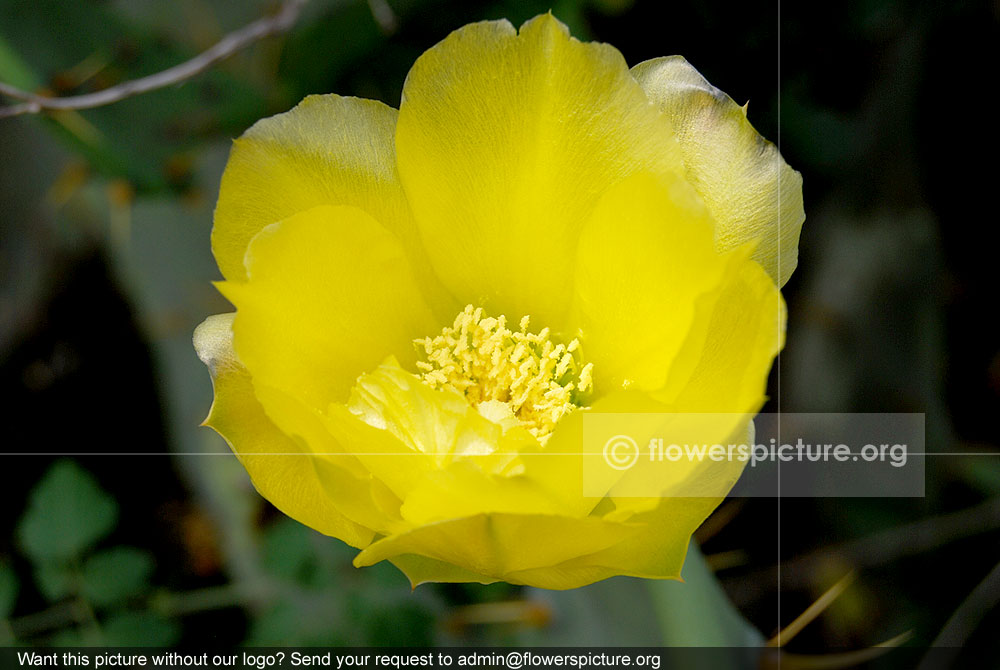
[(140, 629), (67, 513), (54, 581), (13, 69), (116, 574), (697, 613), (8, 590)]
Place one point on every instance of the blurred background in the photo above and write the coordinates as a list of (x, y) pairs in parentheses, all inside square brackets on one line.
[(105, 267)]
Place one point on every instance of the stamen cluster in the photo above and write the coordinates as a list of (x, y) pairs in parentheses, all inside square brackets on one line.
[(541, 381)]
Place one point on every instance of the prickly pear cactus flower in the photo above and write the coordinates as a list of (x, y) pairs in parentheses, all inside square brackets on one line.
[(429, 301)]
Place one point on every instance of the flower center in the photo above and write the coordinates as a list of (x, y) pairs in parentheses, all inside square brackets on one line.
[(507, 374)]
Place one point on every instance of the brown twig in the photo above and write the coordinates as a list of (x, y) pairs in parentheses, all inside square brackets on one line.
[(224, 48)]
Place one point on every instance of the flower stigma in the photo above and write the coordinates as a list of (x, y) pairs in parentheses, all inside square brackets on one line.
[(512, 377)]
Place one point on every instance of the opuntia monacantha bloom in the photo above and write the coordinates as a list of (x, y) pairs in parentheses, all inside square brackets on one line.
[(429, 300)]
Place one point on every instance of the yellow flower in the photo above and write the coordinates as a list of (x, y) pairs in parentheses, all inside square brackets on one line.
[(428, 301)]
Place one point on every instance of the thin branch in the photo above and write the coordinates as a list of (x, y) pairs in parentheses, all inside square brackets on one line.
[(963, 622), (879, 548), (168, 604), (226, 47), (846, 659), (786, 634)]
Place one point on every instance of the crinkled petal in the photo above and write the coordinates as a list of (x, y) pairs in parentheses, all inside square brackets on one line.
[(750, 190), (497, 545), (655, 551), (439, 423), (505, 142), (434, 451), (281, 469), (653, 546), (330, 294), (422, 570)]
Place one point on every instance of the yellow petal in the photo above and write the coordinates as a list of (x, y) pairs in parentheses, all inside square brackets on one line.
[(330, 294), (433, 450), (383, 454), (307, 425), (364, 500), (750, 190), (655, 550), (463, 489), (563, 577), (505, 142), (645, 256), (652, 545), (328, 150), (704, 481), (497, 545), (743, 329), (557, 468), (280, 468), (421, 570)]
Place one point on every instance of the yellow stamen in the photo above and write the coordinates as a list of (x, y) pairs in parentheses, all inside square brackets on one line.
[(478, 356)]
